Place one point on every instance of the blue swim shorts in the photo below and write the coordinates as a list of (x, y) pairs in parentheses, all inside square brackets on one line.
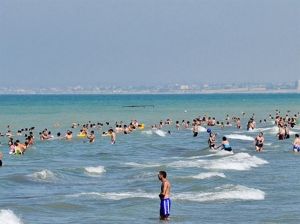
[(165, 207)]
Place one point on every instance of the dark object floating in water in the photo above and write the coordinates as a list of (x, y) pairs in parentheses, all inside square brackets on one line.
[(139, 106)]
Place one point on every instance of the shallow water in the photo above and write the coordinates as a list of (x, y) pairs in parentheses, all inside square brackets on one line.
[(75, 182)]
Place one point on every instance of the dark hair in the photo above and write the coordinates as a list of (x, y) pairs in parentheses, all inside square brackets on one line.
[(163, 173), (224, 138), (297, 135)]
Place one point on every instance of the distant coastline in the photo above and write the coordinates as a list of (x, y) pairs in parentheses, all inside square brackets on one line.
[(200, 88), (203, 92)]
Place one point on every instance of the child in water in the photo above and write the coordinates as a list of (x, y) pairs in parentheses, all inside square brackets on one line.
[(225, 145)]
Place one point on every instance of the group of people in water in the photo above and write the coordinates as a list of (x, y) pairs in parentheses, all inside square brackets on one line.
[(88, 131)]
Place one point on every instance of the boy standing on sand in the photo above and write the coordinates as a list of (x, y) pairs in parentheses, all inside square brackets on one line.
[(165, 201)]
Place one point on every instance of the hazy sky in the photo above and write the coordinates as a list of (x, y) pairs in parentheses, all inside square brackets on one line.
[(47, 43)]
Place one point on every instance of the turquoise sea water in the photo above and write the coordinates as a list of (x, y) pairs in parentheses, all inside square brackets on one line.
[(77, 182)]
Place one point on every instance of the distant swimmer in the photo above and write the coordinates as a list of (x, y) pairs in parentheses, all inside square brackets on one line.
[(165, 201), (238, 123), (195, 130), (286, 132), (281, 132), (177, 125), (251, 125), (69, 135), (212, 141), (225, 145), (91, 137), (19, 148), (259, 142), (112, 136), (296, 146), (1, 157)]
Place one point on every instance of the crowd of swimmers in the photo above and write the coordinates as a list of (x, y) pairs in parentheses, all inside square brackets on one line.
[(88, 131)]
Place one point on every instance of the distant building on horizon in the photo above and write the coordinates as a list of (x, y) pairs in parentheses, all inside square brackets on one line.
[(184, 87)]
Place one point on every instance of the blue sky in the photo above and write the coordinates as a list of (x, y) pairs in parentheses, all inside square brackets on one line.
[(147, 42)]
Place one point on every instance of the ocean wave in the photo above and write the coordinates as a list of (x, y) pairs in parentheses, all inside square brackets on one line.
[(207, 175), (200, 129), (240, 137), (222, 153), (145, 165), (274, 130), (226, 192), (149, 132), (239, 161), (160, 133), (261, 129), (95, 170), (116, 196), (8, 217), (43, 176)]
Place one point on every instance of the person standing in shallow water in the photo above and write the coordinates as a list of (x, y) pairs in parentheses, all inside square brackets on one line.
[(165, 201), (1, 156), (296, 145), (259, 142)]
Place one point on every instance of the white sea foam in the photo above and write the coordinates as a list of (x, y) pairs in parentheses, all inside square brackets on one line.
[(202, 129), (198, 157), (116, 196), (139, 165), (149, 132), (239, 161), (8, 217), (43, 176), (95, 170), (223, 153), (226, 192), (160, 133), (240, 137), (274, 130), (207, 175), (260, 129)]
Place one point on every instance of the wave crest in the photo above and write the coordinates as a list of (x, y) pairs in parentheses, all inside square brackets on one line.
[(226, 192), (43, 176), (95, 170), (240, 137), (239, 161), (8, 217), (207, 175)]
